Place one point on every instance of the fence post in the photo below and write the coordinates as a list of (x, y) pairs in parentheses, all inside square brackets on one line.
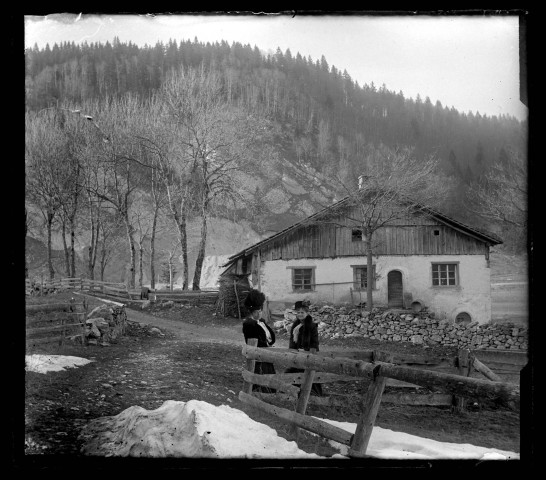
[(303, 397), (85, 309), (237, 298), (464, 366), (250, 365), (370, 407)]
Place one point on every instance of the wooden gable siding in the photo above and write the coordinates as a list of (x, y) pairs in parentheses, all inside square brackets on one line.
[(410, 236)]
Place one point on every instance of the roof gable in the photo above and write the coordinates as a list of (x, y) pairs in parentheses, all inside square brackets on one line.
[(339, 206)]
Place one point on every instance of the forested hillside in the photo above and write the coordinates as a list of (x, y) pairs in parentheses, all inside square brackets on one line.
[(321, 121)]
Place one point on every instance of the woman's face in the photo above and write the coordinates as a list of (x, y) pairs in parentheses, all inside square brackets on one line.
[(301, 313), (256, 314)]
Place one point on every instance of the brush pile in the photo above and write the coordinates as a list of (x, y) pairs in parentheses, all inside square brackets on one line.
[(231, 296)]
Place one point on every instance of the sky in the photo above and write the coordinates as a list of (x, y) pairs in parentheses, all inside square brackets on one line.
[(199, 429), (468, 62)]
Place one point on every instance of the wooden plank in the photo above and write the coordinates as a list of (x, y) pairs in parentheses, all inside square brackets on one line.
[(431, 399), (50, 307), (303, 398), (311, 424), (343, 366), (463, 362), (313, 399), (320, 377), (40, 341), (270, 381), (507, 394), (486, 371), (370, 407), (250, 365), (512, 357), (35, 330), (364, 355)]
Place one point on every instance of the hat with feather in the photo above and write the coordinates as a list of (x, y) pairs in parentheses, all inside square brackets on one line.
[(254, 300)]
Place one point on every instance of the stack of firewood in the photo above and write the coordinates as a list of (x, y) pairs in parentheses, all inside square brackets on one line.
[(231, 295)]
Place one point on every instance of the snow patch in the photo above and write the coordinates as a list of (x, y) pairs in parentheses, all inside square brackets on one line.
[(388, 444), (186, 429), (52, 363)]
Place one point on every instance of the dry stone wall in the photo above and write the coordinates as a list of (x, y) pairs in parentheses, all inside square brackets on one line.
[(417, 328)]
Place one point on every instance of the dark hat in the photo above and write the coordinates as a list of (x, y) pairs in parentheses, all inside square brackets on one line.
[(301, 304), (254, 300)]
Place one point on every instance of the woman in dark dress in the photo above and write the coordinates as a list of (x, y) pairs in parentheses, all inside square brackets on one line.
[(254, 326), (304, 336)]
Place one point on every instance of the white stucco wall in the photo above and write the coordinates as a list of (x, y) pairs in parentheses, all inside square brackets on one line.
[(472, 295)]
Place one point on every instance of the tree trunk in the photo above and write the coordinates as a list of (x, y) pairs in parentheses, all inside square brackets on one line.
[(103, 262), (140, 265), (181, 224), (152, 250), (132, 250), (72, 250), (49, 252), (26, 233), (200, 254), (369, 272), (65, 249)]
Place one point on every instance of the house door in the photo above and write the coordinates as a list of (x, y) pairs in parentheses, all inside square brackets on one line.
[(395, 292)]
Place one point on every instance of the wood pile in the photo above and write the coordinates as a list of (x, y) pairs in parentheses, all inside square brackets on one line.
[(232, 293)]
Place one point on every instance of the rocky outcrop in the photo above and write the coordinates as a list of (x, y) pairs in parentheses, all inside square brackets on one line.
[(405, 326)]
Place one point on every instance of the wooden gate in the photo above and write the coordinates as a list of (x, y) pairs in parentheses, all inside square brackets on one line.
[(395, 295)]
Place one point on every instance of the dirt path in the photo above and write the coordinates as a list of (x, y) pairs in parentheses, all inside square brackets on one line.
[(195, 333)]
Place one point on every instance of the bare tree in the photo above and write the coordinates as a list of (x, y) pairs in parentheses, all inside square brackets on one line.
[(122, 170), (109, 241), (215, 140), (171, 255), (395, 185), (500, 196), (46, 149)]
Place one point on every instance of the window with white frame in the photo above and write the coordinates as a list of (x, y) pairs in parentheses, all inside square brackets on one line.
[(360, 277), (303, 278), (445, 274)]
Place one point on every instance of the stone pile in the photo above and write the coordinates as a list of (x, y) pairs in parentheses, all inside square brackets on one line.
[(105, 324), (406, 326)]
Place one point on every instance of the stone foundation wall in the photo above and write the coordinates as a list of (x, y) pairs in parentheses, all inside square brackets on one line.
[(421, 328)]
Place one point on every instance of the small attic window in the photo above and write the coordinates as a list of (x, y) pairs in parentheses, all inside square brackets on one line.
[(356, 235), (436, 232)]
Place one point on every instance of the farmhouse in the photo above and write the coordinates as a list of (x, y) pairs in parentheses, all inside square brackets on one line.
[(422, 259)]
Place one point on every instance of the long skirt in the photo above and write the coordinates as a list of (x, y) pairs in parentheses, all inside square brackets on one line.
[(316, 388), (264, 368)]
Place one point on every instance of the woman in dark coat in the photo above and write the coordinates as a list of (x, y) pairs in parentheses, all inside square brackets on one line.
[(304, 336), (255, 327)]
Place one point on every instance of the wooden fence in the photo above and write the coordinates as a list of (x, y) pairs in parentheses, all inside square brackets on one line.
[(374, 366), (42, 330), (118, 290)]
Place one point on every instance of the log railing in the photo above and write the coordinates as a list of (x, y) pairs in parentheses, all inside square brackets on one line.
[(375, 368)]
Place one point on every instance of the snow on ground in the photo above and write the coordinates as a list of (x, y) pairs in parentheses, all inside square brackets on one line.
[(193, 429), (200, 430), (52, 363), (385, 443)]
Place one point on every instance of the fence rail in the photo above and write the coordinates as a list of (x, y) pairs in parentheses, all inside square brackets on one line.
[(375, 367), (36, 327), (119, 290)]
